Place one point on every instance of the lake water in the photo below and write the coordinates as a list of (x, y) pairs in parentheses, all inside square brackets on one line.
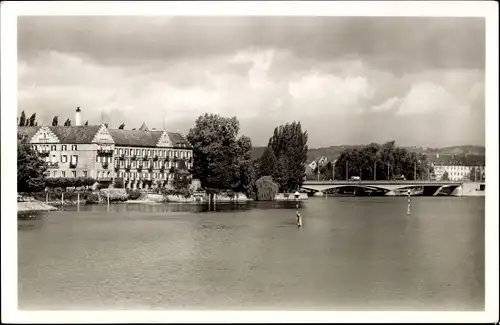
[(353, 253)]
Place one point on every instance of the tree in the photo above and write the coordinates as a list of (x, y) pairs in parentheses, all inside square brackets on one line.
[(86, 123), (32, 119), (289, 145), (55, 121), (445, 176), (31, 167), (68, 122), (217, 153), (268, 163), (247, 177), (22, 119), (382, 162), (122, 126), (266, 189)]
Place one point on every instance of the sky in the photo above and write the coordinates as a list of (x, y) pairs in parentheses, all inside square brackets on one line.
[(348, 80)]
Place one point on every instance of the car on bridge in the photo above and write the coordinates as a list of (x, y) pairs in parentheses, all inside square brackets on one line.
[(399, 178), (354, 179)]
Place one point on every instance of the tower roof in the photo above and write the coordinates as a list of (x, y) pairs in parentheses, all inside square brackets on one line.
[(144, 127)]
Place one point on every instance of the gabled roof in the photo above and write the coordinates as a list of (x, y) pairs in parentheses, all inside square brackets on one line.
[(85, 134), (135, 138), (28, 131), (81, 134), (178, 140)]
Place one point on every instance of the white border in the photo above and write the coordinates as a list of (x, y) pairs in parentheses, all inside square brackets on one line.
[(9, 13)]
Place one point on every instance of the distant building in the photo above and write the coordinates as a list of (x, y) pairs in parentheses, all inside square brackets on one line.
[(140, 157), (459, 172)]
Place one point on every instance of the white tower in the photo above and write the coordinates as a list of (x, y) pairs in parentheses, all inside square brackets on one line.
[(78, 117)]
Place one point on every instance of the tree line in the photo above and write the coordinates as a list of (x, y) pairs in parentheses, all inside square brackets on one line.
[(31, 121), (382, 162), (222, 160)]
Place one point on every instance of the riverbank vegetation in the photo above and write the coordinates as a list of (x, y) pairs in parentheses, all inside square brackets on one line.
[(382, 162), (223, 162)]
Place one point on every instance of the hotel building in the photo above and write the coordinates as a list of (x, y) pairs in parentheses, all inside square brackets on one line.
[(141, 157), (459, 172)]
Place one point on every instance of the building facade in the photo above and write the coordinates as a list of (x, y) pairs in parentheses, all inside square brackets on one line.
[(459, 172), (141, 158)]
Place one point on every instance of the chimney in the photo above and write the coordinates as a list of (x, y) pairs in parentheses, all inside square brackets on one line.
[(78, 117)]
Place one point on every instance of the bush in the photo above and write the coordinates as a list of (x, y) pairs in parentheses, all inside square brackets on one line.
[(102, 185), (93, 198), (115, 194), (183, 192), (266, 189), (118, 183), (134, 194), (63, 182)]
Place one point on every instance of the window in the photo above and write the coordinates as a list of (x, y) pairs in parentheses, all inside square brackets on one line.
[(116, 151), (64, 147), (149, 152), (54, 174), (97, 158), (73, 147), (126, 151), (64, 159), (143, 152), (73, 173), (53, 148), (63, 173), (85, 173), (133, 164), (74, 159), (122, 163)]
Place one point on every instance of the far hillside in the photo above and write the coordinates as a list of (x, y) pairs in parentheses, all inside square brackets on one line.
[(474, 154)]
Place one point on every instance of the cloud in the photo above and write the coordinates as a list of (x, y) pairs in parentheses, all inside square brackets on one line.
[(399, 44), (389, 104), (338, 82)]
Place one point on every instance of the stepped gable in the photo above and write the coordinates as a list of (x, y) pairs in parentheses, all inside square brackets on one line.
[(81, 134), (138, 138), (178, 140)]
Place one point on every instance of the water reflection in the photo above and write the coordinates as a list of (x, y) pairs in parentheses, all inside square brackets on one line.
[(351, 254), (183, 207)]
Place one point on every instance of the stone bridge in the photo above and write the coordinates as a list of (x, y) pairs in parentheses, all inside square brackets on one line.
[(427, 188)]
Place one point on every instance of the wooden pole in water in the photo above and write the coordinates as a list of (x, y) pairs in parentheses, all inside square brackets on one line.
[(108, 198), (62, 198), (46, 197), (78, 199), (409, 202)]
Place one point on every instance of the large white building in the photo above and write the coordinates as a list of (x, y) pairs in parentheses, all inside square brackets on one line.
[(139, 157), (459, 172)]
